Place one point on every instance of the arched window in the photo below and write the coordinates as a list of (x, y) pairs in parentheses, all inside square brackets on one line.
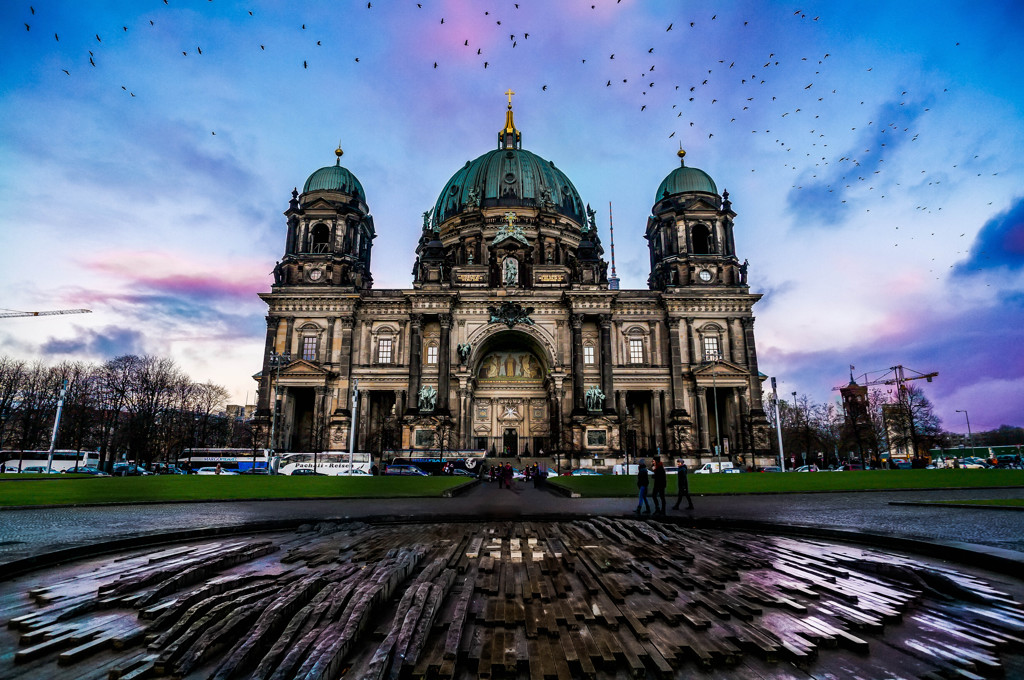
[(309, 341), (702, 244), (320, 239)]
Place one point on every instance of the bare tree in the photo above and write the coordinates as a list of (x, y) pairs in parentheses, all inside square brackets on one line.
[(12, 378)]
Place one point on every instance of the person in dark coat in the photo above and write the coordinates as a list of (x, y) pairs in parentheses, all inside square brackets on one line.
[(642, 481), (683, 489), (658, 486)]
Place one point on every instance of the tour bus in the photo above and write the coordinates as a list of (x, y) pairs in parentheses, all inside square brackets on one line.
[(238, 460), (333, 463), (433, 462), (63, 459)]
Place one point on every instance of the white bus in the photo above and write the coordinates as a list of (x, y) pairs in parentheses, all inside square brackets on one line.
[(237, 460), (63, 459), (327, 463)]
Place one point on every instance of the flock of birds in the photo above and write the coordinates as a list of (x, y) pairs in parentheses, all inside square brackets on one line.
[(717, 99)]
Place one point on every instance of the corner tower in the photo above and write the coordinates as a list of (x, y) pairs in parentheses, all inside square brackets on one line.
[(690, 233), (330, 232)]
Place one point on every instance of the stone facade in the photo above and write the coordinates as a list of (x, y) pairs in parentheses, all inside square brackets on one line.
[(510, 339)]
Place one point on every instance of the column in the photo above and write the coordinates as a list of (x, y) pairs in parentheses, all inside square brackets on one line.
[(415, 347), (621, 401), (444, 362), (577, 362), (676, 366), (399, 402), (345, 362), (736, 340), (288, 335), (363, 418), (658, 426), (328, 351), (755, 381), (263, 406), (688, 356), (464, 419), (606, 363), (321, 435), (702, 418)]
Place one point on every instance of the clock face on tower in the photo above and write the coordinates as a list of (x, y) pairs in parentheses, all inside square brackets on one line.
[(315, 274), (704, 275)]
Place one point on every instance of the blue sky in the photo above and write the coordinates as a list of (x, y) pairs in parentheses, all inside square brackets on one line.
[(871, 151)]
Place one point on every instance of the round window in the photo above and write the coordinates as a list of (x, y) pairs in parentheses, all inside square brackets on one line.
[(509, 178)]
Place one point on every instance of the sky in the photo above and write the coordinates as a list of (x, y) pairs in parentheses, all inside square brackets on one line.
[(871, 151)]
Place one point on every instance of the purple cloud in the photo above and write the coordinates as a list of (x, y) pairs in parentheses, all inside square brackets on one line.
[(999, 244), (110, 341)]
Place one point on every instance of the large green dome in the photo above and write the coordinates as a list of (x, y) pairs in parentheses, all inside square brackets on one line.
[(684, 180), (335, 178), (509, 177)]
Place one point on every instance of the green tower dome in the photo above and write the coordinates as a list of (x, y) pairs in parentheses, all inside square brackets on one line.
[(684, 180), (509, 176), (335, 178)]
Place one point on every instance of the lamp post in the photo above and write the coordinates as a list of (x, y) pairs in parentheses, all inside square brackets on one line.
[(970, 442), (276, 360), (56, 426), (778, 425)]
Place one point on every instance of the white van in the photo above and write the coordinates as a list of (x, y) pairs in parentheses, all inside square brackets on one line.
[(708, 468)]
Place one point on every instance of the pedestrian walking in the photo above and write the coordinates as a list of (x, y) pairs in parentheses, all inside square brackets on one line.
[(683, 489), (642, 480), (507, 475), (658, 486)]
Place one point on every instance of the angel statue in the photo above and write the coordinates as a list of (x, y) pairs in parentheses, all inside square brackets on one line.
[(428, 398), (464, 348)]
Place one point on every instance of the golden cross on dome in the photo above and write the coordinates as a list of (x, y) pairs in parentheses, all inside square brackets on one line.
[(510, 217), (510, 93)]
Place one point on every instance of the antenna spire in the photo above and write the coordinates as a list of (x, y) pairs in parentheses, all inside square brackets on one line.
[(613, 280)]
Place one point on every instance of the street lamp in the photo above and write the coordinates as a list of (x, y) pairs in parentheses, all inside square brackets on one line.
[(276, 360), (970, 443)]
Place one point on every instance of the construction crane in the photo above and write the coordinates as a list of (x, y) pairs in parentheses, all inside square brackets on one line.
[(895, 375), (13, 313)]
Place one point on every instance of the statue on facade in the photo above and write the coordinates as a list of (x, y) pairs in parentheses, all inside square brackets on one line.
[(426, 219), (473, 198), (469, 257), (511, 271), (743, 271), (427, 398), (595, 399), (591, 218), (278, 272), (464, 348)]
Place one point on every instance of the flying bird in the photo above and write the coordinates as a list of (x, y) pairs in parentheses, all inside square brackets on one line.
[(98, 38), (305, 65), (544, 88), (670, 27), (486, 64), (66, 71)]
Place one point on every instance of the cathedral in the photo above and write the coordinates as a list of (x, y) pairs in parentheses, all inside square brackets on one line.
[(512, 338)]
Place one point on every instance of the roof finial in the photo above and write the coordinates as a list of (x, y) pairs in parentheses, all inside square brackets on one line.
[(338, 152), (509, 137), (613, 280), (681, 154)]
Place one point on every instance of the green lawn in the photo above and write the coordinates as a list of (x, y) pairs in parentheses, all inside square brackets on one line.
[(992, 502), (84, 491), (611, 486)]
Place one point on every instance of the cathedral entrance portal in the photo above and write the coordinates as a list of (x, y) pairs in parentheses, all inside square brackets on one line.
[(510, 442), (511, 400)]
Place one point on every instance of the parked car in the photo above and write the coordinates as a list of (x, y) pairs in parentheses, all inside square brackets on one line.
[(129, 470), (771, 468), (254, 471), (165, 469), (581, 472), (807, 468), (304, 472), (459, 472), (213, 471), (734, 471), (405, 470), (86, 470), (38, 469), (974, 464)]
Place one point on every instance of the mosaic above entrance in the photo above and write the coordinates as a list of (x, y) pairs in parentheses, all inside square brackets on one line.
[(510, 366)]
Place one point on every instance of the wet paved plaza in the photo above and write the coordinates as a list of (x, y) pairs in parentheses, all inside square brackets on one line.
[(515, 583)]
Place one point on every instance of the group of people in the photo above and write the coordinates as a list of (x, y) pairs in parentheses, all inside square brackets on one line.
[(657, 480)]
